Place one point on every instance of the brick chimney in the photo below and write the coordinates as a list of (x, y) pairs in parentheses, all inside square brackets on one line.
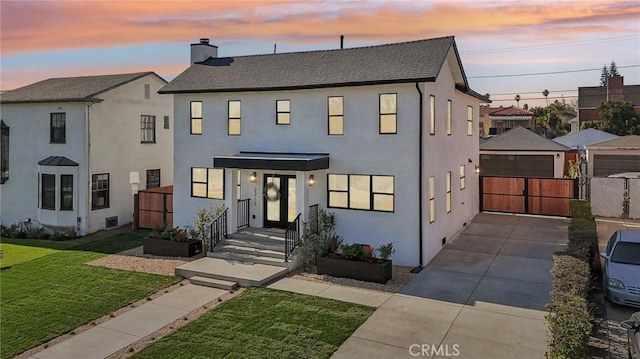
[(202, 51), (615, 90)]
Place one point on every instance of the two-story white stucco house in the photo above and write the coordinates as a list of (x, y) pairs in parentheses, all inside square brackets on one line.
[(385, 137), (70, 144)]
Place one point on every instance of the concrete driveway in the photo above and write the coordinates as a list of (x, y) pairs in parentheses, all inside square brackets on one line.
[(482, 296)]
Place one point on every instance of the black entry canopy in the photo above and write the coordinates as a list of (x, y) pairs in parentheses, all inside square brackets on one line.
[(274, 161), (57, 161)]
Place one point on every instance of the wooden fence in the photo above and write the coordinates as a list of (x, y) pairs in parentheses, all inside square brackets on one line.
[(153, 208)]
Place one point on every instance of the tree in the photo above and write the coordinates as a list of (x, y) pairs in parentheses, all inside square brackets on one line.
[(525, 106), (604, 76), (517, 98), (545, 93), (553, 117), (618, 118), (613, 69)]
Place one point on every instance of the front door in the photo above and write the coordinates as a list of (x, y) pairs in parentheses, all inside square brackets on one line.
[(280, 200)]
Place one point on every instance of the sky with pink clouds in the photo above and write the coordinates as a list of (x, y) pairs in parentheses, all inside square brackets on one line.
[(567, 40)]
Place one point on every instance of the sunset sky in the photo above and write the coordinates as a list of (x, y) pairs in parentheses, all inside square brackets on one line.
[(51, 38)]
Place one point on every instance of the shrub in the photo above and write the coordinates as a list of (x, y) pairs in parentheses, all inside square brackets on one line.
[(569, 328), (352, 251), (202, 223), (58, 236), (570, 276), (320, 242), (386, 250), (580, 209)]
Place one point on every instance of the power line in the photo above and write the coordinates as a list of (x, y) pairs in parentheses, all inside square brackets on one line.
[(530, 92), (545, 73), (546, 46)]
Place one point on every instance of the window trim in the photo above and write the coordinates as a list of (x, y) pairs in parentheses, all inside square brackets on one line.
[(449, 117), (144, 129), (380, 114), (469, 120), (147, 177), (229, 118), (192, 118), (51, 128), (42, 191), (191, 182), (62, 192), (5, 135), (330, 116), (283, 112), (463, 177), (371, 192), (448, 202), (432, 199), (108, 190), (432, 115)]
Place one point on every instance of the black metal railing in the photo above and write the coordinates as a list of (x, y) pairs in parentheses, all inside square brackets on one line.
[(291, 237), (218, 230), (243, 213), (314, 220)]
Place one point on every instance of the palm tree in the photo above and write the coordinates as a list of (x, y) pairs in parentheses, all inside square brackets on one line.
[(545, 93), (517, 98)]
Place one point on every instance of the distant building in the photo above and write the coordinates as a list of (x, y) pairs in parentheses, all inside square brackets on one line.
[(496, 120), (590, 98)]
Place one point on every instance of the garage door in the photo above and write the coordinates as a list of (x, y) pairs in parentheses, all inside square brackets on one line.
[(605, 165), (517, 165)]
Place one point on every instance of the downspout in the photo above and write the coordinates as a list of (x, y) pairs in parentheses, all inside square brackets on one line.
[(420, 169)]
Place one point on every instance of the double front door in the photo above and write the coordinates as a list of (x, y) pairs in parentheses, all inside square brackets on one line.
[(280, 200)]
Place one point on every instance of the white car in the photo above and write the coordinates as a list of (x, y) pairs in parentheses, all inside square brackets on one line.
[(622, 268)]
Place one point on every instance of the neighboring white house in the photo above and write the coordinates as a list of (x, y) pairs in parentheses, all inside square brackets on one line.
[(520, 152), (385, 137), (70, 144), (580, 139), (618, 155)]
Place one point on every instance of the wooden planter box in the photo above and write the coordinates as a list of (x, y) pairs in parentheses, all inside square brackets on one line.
[(370, 272), (160, 247)]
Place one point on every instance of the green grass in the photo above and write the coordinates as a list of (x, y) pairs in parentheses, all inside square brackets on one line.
[(53, 294), (264, 323), (15, 254)]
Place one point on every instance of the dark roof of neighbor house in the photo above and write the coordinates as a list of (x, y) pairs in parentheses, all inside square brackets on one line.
[(592, 97), (70, 89), (390, 63), (57, 161), (631, 142), (521, 139), (510, 111), (585, 137)]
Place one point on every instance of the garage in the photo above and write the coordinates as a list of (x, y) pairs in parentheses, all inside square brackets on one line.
[(605, 165), (517, 165), (614, 156)]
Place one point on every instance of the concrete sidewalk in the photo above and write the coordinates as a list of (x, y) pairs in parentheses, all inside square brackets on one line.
[(117, 333)]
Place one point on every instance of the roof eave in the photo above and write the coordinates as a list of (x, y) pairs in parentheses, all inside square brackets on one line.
[(91, 100)]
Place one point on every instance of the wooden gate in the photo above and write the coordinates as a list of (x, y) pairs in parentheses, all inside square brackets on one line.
[(544, 196), (154, 207)]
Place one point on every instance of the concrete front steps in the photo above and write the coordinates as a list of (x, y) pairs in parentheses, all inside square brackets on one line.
[(250, 257)]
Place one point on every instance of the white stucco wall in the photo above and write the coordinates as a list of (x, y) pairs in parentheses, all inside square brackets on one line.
[(29, 128), (116, 149), (361, 150)]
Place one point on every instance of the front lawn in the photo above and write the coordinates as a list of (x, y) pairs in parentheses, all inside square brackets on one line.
[(13, 254), (48, 296), (264, 323)]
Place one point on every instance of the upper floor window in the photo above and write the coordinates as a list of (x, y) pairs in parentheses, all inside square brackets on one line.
[(4, 152), (153, 178), (469, 121), (196, 118), (449, 115), (166, 122), (336, 115), (147, 91), (432, 115), (366, 192), (58, 128), (432, 199), (147, 129), (463, 176), (207, 182), (388, 113), (48, 191), (66, 192), (100, 191), (283, 112), (448, 198), (234, 118)]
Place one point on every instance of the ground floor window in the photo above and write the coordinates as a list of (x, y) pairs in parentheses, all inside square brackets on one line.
[(100, 191), (207, 182), (66, 192), (48, 191), (365, 192), (153, 178)]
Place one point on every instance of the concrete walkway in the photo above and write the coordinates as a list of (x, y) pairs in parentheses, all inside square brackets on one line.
[(482, 296), (117, 333)]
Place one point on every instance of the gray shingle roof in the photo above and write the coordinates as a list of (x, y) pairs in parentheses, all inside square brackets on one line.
[(521, 139), (391, 63), (624, 142), (585, 137), (57, 161), (70, 89), (592, 97)]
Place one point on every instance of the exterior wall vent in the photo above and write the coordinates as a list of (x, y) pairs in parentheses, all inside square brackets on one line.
[(111, 222)]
